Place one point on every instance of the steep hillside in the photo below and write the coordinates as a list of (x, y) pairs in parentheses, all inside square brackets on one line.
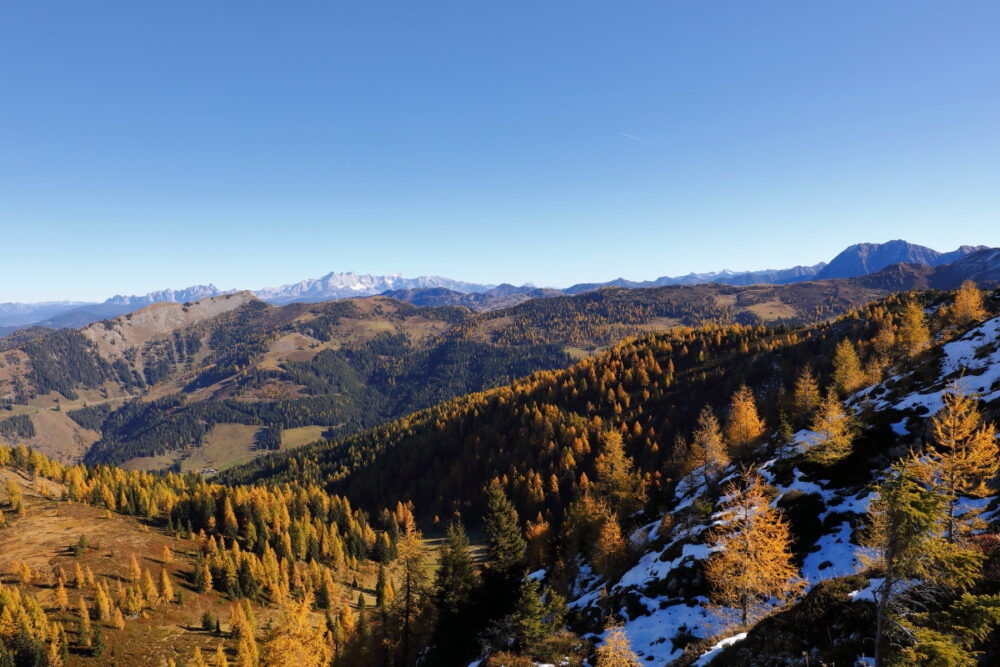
[(549, 443), (231, 361), (864, 258), (115, 568), (502, 296), (663, 601), (598, 319), (246, 377), (982, 266)]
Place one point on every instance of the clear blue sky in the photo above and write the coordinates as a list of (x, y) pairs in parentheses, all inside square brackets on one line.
[(147, 145)]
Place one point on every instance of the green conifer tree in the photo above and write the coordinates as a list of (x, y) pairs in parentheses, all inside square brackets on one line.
[(507, 548)]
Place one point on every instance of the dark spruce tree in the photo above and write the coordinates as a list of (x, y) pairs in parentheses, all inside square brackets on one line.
[(455, 636), (507, 548)]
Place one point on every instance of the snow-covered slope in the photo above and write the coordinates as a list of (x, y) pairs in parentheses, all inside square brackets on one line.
[(662, 599)]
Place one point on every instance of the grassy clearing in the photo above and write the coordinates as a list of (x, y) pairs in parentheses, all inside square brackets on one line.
[(303, 435)]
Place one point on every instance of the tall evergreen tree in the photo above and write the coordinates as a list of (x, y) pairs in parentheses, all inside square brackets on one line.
[(529, 616), (457, 577), (904, 542), (507, 548)]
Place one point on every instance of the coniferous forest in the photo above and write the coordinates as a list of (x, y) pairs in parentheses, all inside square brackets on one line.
[(517, 334), (722, 481)]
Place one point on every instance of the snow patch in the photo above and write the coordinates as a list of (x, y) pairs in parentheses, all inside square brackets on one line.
[(836, 557), (708, 657)]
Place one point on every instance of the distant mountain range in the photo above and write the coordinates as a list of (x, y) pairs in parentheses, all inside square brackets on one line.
[(865, 258), (857, 260), (192, 293), (347, 285)]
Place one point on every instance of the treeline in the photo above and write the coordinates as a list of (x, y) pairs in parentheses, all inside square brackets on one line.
[(539, 435), (607, 316), (17, 427), (91, 416), (64, 361), (349, 389)]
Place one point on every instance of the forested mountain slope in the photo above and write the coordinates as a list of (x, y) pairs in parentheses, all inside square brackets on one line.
[(660, 424), (203, 385), (541, 433), (103, 566)]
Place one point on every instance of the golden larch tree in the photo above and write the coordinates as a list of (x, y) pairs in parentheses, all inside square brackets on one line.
[(166, 587), (149, 590), (744, 428), (913, 334), (616, 480), (220, 656), (615, 650), (884, 343), (707, 448), (968, 305), (834, 434), (134, 572), (847, 374), (197, 659), (609, 551), (414, 587), (102, 602), (294, 642), (84, 613), (753, 565), (806, 397), (61, 597), (961, 460)]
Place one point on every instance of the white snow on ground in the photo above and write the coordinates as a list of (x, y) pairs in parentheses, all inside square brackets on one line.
[(961, 353), (868, 592), (835, 557), (650, 636), (805, 486), (650, 566), (856, 504), (978, 375), (834, 554), (644, 534), (707, 658)]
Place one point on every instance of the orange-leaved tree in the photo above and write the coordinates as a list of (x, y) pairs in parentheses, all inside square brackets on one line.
[(753, 565)]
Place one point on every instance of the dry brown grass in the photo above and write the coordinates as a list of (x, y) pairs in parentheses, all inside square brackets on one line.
[(41, 537)]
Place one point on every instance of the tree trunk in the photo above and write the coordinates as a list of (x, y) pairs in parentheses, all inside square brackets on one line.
[(883, 603)]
